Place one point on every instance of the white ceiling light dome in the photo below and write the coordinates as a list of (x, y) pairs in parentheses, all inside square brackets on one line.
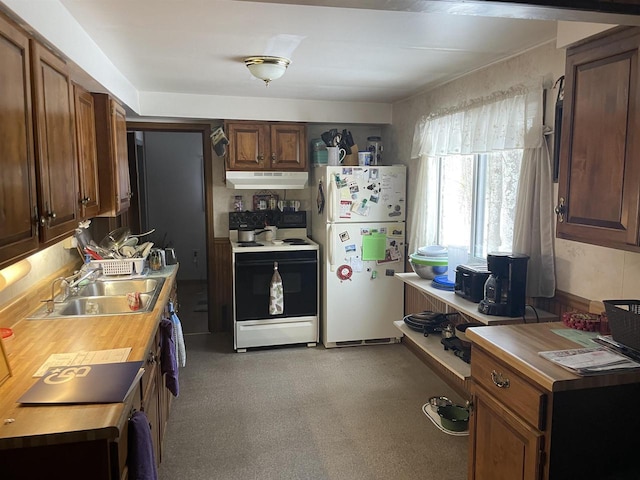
[(267, 68)]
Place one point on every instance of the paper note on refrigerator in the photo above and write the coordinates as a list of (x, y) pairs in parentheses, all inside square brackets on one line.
[(374, 246)]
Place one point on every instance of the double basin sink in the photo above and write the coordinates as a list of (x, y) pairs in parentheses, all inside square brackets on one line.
[(105, 297)]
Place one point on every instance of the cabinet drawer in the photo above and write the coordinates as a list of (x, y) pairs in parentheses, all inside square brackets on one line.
[(509, 388)]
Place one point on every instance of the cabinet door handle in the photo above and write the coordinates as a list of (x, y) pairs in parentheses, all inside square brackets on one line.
[(499, 380), (260, 158), (45, 220), (273, 158), (561, 209), (152, 358)]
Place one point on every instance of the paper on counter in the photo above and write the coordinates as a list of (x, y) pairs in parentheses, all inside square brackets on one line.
[(586, 339), (115, 355), (585, 361)]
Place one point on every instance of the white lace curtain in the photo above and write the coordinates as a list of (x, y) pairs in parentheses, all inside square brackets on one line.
[(504, 121)]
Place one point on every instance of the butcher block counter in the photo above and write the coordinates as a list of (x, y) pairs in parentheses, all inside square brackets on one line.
[(52, 439), (532, 419)]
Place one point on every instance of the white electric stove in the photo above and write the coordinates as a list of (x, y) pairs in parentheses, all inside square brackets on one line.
[(253, 265)]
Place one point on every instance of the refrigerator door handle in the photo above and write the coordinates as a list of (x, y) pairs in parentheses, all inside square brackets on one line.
[(331, 194), (332, 266)]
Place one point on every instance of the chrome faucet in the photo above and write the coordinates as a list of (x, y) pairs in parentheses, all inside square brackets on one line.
[(69, 286), (64, 283), (75, 279)]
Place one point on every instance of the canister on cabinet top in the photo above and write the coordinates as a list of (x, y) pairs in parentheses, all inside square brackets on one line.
[(374, 145)]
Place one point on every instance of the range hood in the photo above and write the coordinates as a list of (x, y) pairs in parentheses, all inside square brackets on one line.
[(261, 180)]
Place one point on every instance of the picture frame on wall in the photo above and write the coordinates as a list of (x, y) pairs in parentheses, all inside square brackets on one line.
[(265, 201)]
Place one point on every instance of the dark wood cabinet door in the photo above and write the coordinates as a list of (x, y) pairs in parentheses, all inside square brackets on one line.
[(18, 228), (288, 147), (123, 182), (89, 200), (248, 146), (502, 446), (113, 156), (599, 181), (55, 144)]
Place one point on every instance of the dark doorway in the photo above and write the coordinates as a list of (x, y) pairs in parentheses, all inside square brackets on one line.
[(173, 175)]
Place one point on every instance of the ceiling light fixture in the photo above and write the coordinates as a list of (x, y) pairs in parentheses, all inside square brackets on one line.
[(267, 68)]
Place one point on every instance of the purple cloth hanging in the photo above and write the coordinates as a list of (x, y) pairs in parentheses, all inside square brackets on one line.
[(168, 360), (141, 459)]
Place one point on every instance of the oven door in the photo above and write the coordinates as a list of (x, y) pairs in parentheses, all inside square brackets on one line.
[(253, 273)]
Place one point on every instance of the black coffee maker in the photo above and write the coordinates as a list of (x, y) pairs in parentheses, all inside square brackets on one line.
[(504, 290)]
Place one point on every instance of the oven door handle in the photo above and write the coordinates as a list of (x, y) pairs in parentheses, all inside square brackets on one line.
[(257, 263)]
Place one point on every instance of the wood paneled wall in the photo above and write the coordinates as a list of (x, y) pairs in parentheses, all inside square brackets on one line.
[(222, 286)]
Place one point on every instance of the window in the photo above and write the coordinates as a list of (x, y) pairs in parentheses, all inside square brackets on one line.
[(476, 200)]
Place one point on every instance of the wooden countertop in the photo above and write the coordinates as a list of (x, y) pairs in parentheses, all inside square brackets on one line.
[(35, 340), (518, 347)]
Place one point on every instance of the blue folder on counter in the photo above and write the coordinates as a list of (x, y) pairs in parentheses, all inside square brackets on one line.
[(100, 383)]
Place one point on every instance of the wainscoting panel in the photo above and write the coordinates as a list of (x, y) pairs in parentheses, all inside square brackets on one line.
[(222, 285)]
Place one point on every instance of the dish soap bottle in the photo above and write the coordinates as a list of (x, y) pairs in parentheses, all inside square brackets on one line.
[(276, 293)]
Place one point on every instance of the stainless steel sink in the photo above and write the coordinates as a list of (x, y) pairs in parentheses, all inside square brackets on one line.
[(103, 305), (102, 288), (105, 297)]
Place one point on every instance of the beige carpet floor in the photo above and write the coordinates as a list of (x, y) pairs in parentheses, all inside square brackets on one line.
[(307, 413)]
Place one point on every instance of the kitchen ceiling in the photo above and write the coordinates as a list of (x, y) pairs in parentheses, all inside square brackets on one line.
[(338, 54)]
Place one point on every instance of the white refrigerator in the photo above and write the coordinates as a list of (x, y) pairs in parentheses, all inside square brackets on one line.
[(359, 222)]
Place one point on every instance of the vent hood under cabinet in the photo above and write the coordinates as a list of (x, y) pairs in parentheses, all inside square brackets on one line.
[(260, 180)]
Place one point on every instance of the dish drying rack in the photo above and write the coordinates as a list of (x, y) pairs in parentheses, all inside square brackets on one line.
[(120, 266)]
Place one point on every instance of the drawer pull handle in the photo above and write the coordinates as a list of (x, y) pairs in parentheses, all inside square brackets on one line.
[(499, 380)]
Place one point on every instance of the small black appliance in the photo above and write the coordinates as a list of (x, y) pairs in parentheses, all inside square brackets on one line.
[(470, 280), (505, 289)]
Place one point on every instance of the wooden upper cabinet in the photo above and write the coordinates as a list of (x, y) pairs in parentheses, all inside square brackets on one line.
[(113, 162), (288, 147), (55, 144), (266, 146), (18, 226), (89, 200), (119, 119), (248, 146), (599, 178)]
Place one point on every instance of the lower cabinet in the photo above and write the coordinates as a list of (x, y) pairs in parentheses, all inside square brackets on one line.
[(520, 431), (504, 445), (155, 397)]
